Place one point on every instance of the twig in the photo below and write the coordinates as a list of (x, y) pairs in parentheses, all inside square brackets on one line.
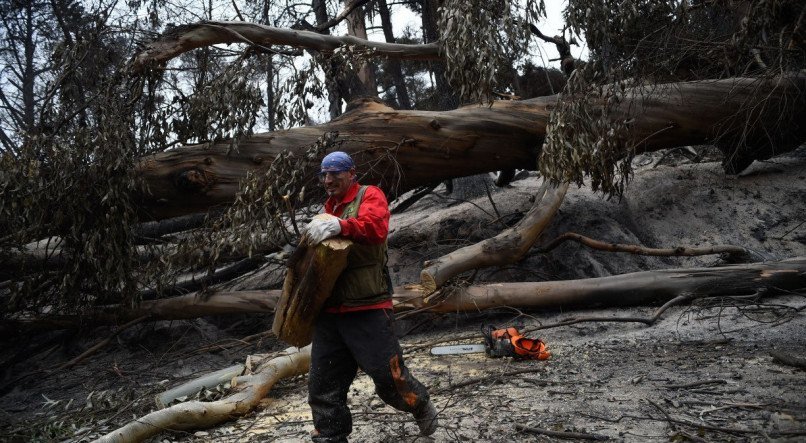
[(560, 434), (407, 203), (483, 378), (647, 321), (791, 230), (490, 197), (570, 321)]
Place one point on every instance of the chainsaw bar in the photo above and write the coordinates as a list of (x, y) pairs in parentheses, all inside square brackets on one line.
[(457, 349)]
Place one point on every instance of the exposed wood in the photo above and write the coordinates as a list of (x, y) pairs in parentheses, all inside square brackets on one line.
[(250, 389), (618, 290), (402, 150), (184, 38), (509, 246), (312, 272), (624, 289)]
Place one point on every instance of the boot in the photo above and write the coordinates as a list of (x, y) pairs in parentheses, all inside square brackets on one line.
[(427, 419)]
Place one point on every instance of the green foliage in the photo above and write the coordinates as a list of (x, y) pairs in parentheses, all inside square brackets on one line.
[(478, 37), (225, 107), (649, 42), (260, 220)]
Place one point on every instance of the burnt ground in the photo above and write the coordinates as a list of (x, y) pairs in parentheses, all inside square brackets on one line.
[(704, 372)]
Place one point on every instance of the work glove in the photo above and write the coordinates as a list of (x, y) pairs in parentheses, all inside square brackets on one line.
[(322, 227)]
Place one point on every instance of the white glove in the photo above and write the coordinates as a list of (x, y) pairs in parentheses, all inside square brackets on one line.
[(322, 227)]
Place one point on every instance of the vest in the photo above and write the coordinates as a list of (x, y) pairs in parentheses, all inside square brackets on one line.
[(365, 280)]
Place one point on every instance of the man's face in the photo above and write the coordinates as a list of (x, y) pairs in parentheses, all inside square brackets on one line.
[(337, 183)]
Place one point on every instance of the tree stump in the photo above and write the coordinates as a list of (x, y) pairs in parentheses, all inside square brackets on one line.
[(309, 280)]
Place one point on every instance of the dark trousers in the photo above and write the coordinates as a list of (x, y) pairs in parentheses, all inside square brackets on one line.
[(342, 343)]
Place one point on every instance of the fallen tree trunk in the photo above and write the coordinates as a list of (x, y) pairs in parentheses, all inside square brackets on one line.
[(193, 305), (622, 290), (408, 149), (402, 150), (625, 289), (187, 37), (250, 389)]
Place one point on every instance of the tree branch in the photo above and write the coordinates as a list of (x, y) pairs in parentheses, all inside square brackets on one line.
[(187, 37), (678, 251)]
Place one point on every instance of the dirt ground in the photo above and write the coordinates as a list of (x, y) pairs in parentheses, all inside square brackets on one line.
[(704, 372)]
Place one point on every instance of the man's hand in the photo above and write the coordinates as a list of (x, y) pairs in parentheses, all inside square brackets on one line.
[(322, 227)]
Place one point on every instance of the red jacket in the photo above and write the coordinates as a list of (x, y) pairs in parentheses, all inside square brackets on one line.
[(370, 227), (372, 224)]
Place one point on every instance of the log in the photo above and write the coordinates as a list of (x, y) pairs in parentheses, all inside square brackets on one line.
[(250, 389), (510, 246), (312, 272), (618, 290), (193, 387), (183, 307), (402, 150)]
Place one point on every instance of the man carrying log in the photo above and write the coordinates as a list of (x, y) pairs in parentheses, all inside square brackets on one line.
[(354, 329)]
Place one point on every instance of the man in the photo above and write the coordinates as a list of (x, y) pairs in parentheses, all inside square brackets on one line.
[(354, 329)]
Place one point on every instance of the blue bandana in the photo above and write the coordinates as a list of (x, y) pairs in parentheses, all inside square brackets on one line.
[(337, 161)]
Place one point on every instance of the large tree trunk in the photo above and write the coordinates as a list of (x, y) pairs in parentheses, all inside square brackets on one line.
[(401, 150)]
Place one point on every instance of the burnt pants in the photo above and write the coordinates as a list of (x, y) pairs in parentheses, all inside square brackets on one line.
[(344, 342)]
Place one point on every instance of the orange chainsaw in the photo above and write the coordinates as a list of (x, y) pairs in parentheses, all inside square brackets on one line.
[(507, 342)]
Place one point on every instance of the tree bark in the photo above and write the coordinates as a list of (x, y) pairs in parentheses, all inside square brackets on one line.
[(402, 150), (312, 272), (396, 71), (357, 27), (619, 290), (507, 247), (187, 37)]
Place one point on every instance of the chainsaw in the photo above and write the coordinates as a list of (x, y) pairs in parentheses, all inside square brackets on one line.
[(507, 342)]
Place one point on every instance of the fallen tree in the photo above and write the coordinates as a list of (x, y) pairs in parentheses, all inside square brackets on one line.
[(401, 150), (664, 285), (250, 389), (656, 286)]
